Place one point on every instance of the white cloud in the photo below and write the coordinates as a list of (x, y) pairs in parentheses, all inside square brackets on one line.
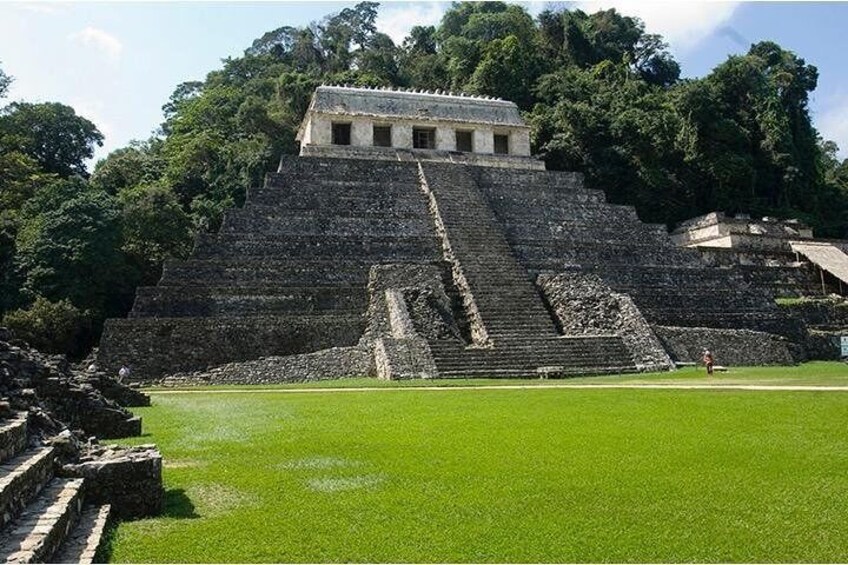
[(682, 24), (100, 40), (833, 125), (396, 22)]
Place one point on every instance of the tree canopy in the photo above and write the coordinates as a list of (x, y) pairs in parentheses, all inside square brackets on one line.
[(52, 134), (603, 96)]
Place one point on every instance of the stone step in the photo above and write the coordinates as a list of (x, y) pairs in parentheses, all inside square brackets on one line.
[(242, 221), (246, 272), (526, 178), (341, 169), (35, 535), (179, 301), (343, 202), (505, 200), (22, 477), (13, 436), (482, 372), (373, 248), (84, 541), (404, 209)]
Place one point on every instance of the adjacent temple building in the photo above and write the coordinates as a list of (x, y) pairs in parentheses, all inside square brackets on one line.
[(415, 236)]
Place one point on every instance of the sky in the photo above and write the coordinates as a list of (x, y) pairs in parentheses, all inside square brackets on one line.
[(118, 63)]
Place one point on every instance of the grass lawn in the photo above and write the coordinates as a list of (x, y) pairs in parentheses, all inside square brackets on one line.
[(499, 476)]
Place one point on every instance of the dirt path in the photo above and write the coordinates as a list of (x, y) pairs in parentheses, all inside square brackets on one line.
[(650, 386)]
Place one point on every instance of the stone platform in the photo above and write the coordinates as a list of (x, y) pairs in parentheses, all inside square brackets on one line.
[(457, 250)]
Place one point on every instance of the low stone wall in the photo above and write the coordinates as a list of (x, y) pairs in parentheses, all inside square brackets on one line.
[(130, 479), (824, 313), (729, 347), (333, 363), (13, 436), (155, 347), (583, 305)]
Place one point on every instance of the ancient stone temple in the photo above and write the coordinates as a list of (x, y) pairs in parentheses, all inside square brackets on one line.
[(415, 236), (779, 256)]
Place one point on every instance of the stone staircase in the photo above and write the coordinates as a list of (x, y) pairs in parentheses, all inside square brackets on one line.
[(512, 329), (42, 517), (554, 224)]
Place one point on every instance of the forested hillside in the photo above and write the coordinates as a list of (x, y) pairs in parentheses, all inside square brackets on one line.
[(603, 95)]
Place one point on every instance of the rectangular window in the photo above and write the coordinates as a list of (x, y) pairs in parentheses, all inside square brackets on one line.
[(341, 134), (423, 138), (501, 144), (463, 141), (382, 136)]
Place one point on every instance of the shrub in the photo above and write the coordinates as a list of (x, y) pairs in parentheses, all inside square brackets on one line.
[(52, 327)]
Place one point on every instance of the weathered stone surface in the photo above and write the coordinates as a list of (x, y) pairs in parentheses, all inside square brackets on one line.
[(824, 313), (729, 347), (584, 305), (333, 363), (57, 396), (825, 345), (128, 478), (288, 275), (13, 435)]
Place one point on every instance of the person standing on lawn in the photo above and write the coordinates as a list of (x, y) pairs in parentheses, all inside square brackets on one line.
[(709, 361)]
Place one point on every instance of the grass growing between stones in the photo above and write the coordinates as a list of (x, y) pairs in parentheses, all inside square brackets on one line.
[(544, 475)]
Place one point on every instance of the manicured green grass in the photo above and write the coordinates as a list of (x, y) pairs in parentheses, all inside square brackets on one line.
[(530, 475)]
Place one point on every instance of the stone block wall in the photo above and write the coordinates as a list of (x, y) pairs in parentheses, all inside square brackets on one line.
[(584, 305), (286, 274), (130, 479), (13, 436), (730, 347), (825, 313)]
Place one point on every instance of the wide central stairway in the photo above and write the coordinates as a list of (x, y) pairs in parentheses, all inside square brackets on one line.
[(43, 517), (516, 335), (288, 273)]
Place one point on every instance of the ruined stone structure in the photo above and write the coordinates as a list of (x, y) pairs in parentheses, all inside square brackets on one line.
[(782, 259), (770, 253), (59, 488), (402, 262)]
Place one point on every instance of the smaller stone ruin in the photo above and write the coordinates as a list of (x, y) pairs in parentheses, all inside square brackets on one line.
[(59, 488)]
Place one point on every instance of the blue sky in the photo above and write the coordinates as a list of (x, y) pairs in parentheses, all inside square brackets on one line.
[(117, 64)]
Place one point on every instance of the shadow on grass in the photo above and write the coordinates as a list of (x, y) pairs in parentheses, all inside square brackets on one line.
[(177, 505)]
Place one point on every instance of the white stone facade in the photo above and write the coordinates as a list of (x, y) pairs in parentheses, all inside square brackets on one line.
[(444, 115), (317, 130)]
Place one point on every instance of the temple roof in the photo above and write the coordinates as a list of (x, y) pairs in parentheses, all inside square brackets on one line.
[(416, 105)]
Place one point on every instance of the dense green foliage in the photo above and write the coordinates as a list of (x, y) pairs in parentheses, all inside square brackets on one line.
[(602, 94), (506, 476), (52, 327)]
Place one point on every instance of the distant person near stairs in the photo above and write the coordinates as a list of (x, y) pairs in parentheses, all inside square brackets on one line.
[(709, 361)]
